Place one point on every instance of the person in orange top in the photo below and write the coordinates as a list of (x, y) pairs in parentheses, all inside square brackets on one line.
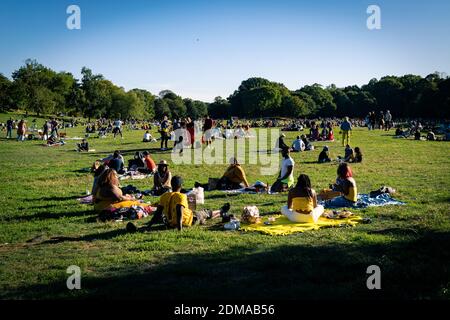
[(150, 165)]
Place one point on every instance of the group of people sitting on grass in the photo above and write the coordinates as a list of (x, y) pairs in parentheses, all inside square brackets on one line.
[(173, 209)]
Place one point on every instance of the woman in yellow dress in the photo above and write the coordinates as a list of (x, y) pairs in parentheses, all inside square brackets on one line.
[(302, 202)]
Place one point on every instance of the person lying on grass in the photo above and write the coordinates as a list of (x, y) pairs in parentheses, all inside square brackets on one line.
[(302, 202), (233, 178), (173, 210), (108, 195), (346, 185)]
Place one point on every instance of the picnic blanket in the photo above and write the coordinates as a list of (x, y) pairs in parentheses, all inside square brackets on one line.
[(364, 201), (282, 226), (134, 175)]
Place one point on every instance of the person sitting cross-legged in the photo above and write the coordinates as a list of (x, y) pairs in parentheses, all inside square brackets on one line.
[(302, 202)]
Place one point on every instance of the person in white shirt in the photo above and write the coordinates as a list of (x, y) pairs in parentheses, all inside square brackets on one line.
[(117, 128), (298, 145), (147, 137), (285, 179)]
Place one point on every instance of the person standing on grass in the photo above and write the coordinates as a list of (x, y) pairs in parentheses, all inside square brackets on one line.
[(21, 130), (302, 202), (387, 121), (164, 131), (9, 128), (45, 129), (54, 127), (118, 128), (207, 128), (346, 128)]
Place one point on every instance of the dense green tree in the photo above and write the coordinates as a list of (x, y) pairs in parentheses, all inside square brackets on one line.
[(5, 93), (36, 88), (220, 108), (322, 98), (148, 99), (195, 109)]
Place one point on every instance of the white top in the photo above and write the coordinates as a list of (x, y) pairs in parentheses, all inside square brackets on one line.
[(147, 136), (298, 145), (117, 123), (285, 163)]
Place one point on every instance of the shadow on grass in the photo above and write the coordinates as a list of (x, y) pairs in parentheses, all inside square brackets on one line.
[(65, 198), (416, 268), (50, 215), (131, 152), (101, 236)]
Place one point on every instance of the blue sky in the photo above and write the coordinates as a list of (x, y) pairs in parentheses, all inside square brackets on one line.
[(202, 49)]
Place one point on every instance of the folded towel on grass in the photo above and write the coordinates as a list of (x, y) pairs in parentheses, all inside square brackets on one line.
[(282, 226)]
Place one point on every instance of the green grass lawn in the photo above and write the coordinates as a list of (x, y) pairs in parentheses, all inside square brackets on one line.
[(43, 230)]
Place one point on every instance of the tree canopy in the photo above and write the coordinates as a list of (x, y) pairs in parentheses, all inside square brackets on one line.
[(36, 88)]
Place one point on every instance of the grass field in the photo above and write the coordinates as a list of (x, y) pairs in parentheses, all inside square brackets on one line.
[(43, 230)]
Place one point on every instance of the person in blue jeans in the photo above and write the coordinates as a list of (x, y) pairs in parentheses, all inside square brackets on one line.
[(346, 185)]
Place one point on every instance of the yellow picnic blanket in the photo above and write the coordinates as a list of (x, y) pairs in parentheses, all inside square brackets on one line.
[(282, 226)]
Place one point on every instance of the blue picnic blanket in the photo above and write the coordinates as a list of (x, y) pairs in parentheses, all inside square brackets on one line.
[(364, 201)]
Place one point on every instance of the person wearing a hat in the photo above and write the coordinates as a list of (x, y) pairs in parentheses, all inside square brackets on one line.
[(324, 155), (162, 179)]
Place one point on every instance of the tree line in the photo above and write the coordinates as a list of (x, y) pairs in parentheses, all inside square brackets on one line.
[(39, 89)]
